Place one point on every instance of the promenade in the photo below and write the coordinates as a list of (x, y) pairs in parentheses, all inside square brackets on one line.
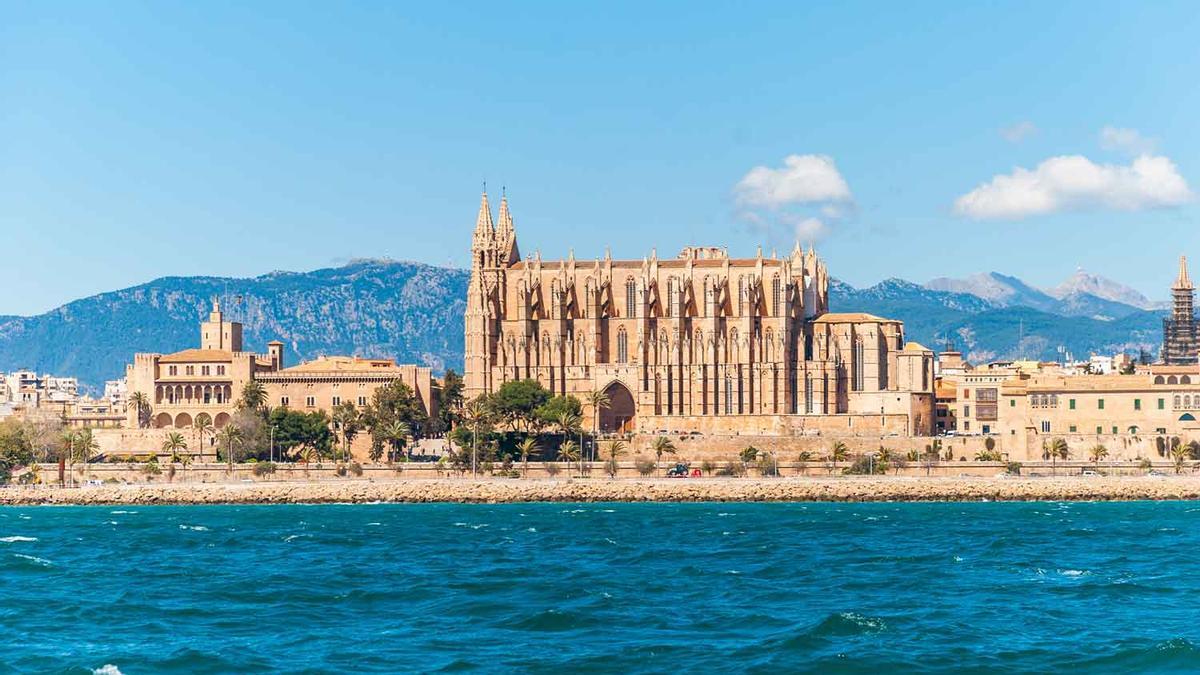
[(467, 490)]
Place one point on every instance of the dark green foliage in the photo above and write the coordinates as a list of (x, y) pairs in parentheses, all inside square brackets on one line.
[(516, 402), (294, 430), (392, 404), (450, 403), (550, 412), (865, 465), (749, 454), (264, 468)]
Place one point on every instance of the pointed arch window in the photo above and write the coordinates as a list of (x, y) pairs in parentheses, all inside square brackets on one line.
[(741, 306), (776, 295), (630, 298), (728, 393), (622, 346), (808, 393), (857, 365)]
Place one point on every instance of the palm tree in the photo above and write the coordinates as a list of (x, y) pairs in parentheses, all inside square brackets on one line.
[(885, 458), (803, 459), (230, 436), (568, 423), (85, 447), (307, 454), (1179, 453), (398, 433), (1097, 452), (1059, 450), (568, 451), (140, 402), (526, 447), (346, 420), (839, 452), (476, 414), (254, 396), (173, 443), (185, 460), (615, 449), (68, 441), (661, 446), (597, 400), (203, 426)]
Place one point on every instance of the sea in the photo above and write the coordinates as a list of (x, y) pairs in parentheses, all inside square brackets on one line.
[(602, 588)]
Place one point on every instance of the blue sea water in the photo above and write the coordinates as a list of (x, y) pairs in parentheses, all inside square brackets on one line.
[(871, 588)]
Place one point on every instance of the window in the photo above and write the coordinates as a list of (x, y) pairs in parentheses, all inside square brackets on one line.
[(966, 393), (1045, 426), (1072, 428), (1162, 403), (966, 425), (1101, 404), (672, 298), (728, 394), (775, 296), (808, 393), (337, 400), (362, 401), (987, 429), (172, 370), (205, 370), (1071, 403), (630, 298), (741, 307), (858, 365), (1137, 404), (220, 370), (283, 401), (311, 402), (622, 346), (1099, 430), (1012, 403), (966, 411), (189, 370), (1115, 432)]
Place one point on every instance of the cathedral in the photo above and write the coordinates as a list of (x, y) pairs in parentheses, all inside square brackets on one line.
[(1181, 340), (696, 343)]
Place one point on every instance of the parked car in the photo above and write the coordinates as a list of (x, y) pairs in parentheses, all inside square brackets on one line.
[(678, 471)]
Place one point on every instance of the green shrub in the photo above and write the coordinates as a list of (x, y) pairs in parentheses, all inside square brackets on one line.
[(767, 465), (645, 467), (749, 454), (151, 468), (263, 468), (611, 467), (708, 467), (865, 465), (1013, 468)]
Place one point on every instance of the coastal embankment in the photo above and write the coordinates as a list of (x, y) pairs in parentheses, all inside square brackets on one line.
[(465, 490)]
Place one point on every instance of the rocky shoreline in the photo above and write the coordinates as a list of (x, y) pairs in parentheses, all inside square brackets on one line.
[(491, 491)]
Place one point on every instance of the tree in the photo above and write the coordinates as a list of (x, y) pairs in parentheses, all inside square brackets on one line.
[(1056, 449), (347, 421), (173, 444), (516, 401), (568, 424), (85, 446), (803, 459), (296, 430), (555, 409), (231, 437), (204, 428), (1179, 453), (478, 416), (661, 446), (568, 451), (597, 400), (450, 402), (616, 448), (391, 403), (526, 447), (1097, 452), (397, 435), (838, 452), (254, 396), (140, 403)]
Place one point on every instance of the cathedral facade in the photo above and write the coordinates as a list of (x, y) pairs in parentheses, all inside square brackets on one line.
[(696, 343)]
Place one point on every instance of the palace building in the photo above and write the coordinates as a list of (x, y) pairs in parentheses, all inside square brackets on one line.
[(699, 342)]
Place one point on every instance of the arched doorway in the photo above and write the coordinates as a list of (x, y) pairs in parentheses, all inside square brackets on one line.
[(621, 414), (221, 420), (183, 421), (162, 421)]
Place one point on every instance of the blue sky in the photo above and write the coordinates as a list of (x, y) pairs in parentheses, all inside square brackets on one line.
[(140, 140)]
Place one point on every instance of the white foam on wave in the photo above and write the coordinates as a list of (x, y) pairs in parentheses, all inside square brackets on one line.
[(374, 524), (16, 538), (25, 517), (107, 669), (958, 558), (121, 513), (1074, 573), (531, 529), (293, 537), (33, 558), (194, 528)]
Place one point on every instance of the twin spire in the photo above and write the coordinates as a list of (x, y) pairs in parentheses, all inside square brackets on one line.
[(502, 237)]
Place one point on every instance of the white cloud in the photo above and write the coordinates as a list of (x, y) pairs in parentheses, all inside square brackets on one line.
[(810, 229), (1074, 182), (1126, 140), (803, 179), (1019, 131)]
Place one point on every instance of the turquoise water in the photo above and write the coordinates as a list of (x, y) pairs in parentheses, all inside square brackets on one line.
[(601, 588)]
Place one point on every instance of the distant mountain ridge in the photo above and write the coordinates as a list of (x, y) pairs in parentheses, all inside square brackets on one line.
[(414, 313)]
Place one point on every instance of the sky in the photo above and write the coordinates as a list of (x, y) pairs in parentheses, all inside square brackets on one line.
[(912, 140)]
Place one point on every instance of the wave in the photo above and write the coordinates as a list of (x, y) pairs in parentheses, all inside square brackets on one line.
[(107, 669), (194, 528), (16, 538), (34, 559)]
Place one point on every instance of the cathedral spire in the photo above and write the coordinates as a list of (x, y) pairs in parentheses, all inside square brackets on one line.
[(1183, 282), (506, 233), (483, 222)]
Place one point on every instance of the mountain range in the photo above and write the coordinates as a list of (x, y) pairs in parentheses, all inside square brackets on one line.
[(414, 313)]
